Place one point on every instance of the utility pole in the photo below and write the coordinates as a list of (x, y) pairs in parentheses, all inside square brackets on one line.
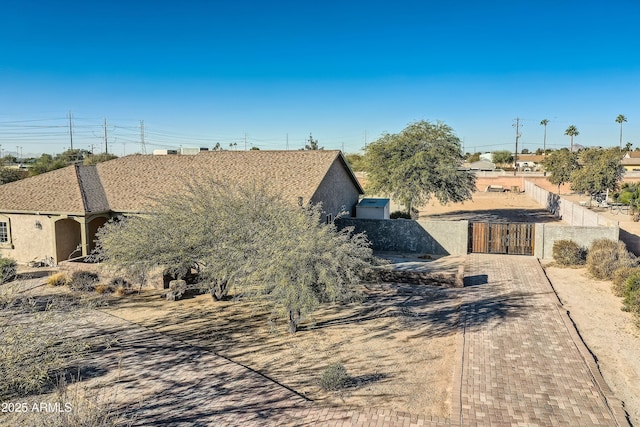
[(106, 144), (71, 130), (245, 141), (143, 148), (515, 156)]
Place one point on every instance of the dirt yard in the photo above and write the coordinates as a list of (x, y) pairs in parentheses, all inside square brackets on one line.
[(496, 207), (612, 335), (398, 347)]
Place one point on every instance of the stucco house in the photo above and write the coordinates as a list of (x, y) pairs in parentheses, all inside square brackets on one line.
[(57, 214), (482, 165), (533, 162), (631, 161)]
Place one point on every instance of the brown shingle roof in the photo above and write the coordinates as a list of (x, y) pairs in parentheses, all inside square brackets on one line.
[(56, 191), (130, 184), (91, 188), (634, 161), (537, 158)]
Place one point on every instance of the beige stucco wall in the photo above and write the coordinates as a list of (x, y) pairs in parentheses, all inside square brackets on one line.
[(28, 241), (337, 191)]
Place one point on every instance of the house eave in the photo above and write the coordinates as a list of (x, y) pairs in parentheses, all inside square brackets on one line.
[(51, 213), (350, 173)]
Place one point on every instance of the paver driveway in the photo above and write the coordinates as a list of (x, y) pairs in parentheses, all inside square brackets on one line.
[(522, 360)]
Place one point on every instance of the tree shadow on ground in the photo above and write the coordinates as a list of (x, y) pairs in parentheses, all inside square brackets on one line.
[(494, 309), (476, 280), (161, 380), (498, 215)]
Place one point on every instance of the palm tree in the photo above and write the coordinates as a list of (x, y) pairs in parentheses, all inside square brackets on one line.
[(621, 119), (572, 131), (544, 122)]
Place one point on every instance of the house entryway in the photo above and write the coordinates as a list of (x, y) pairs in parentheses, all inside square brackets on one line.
[(513, 238)]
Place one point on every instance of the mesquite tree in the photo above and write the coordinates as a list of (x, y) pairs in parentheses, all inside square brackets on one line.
[(246, 241), (421, 162)]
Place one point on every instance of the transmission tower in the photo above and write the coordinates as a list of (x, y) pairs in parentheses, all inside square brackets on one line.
[(143, 148)]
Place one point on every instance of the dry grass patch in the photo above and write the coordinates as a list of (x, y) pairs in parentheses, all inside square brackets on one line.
[(58, 279)]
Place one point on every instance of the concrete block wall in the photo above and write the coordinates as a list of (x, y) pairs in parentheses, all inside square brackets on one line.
[(547, 234), (404, 235), (570, 213), (451, 237)]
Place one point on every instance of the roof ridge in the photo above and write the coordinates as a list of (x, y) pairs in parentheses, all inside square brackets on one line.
[(91, 188)]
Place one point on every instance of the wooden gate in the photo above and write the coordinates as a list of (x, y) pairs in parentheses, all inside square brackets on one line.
[(506, 238)]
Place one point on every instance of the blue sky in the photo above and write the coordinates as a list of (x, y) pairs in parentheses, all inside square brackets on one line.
[(201, 72)]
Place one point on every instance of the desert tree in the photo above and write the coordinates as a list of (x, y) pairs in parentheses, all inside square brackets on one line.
[(307, 262), (560, 164), (356, 161), (46, 163), (8, 175), (621, 119), (571, 131), (422, 161), (475, 157), (94, 159), (245, 241), (312, 144), (599, 171), (502, 157)]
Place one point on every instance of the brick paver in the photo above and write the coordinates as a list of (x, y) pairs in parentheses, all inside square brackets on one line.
[(522, 361)]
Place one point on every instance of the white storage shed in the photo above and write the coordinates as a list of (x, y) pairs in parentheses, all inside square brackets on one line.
[(370, 208)]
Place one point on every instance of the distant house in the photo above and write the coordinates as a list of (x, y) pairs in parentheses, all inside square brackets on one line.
[(482, 165), (57, 214), (487, 156), (631, 161), (533, 162)]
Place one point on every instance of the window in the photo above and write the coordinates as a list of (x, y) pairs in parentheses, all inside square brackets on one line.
[(4, 232)]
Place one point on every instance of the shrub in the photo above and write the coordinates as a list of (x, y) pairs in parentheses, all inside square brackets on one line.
[(631, 294), (58, 279), (121, 285), (334, 377), (400, 214), (84, 281), (105, 289), (568, 253), (31, 356), (606, 256), (8, 270), (620, 277)]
